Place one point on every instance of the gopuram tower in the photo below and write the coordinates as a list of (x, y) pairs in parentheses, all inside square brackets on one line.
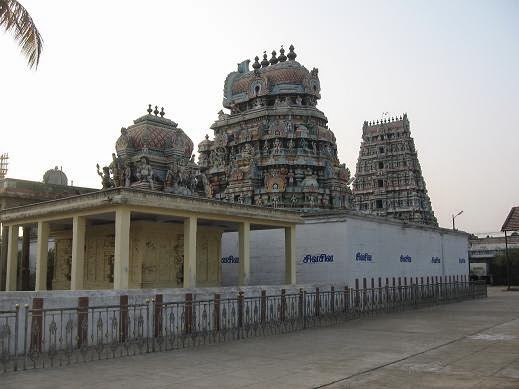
[(274, 148), (388, 180)]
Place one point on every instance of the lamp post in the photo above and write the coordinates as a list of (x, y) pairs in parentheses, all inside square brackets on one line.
[(454, 217)]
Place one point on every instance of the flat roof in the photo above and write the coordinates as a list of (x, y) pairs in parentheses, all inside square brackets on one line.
[(147, 201)]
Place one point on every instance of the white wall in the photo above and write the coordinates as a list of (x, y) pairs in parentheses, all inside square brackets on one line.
[(384, 241)]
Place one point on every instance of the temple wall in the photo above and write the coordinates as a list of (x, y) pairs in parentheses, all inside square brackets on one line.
[(355, 248), (156, 256)]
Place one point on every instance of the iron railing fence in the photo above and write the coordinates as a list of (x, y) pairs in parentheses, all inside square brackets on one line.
[(38, 338)]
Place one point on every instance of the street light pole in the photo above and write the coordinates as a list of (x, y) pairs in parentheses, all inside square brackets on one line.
[(507, 263), (454, 217)]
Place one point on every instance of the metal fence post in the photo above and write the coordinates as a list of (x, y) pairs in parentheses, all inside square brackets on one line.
[(148, 325), (16, 323)]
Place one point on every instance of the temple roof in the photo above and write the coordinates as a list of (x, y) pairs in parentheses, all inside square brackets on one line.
[(277, 76), (55, 176), (154, 132)]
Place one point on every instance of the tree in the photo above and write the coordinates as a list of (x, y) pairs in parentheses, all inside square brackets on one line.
[(498, 268), (15, 19)]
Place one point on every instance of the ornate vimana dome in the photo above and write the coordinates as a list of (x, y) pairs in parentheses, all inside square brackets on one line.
[(154, 154), (274, 148), (55, 176)]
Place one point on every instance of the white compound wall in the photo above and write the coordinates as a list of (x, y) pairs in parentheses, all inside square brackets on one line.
[(342, 249)]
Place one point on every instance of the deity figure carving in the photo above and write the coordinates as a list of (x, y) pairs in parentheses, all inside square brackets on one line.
[(266, 147), (293, 201), (275, 201), (171, 180), (248, 151), (289, 126), (291, 145), (299, 100), (203, 182), (253, 169), (314, 148), (144, 172), (127, 174), (277, 147), (290, 176), (222, 115), (303, 144), (124, 140), (115, 170), (106, 180)]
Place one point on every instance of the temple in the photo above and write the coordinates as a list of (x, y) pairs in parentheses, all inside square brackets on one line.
[(162, 220), (388, 180), (274, 148)]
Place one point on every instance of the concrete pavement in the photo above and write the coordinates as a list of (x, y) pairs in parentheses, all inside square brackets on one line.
[(469, 344)]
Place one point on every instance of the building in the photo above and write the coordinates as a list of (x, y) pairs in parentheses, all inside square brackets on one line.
[(133, 238), (14, 193), (483, 250), (274, 148), (351, 248), (388, 178)]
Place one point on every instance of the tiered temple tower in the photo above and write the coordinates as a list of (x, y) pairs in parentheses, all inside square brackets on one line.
[(274, 148), (388, 180)]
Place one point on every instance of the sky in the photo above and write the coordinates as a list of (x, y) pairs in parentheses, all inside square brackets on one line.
[(452, 66)]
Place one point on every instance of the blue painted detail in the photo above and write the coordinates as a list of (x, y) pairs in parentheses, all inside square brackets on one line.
[(363, 257), (406, 258), (435, 260), (317, 258), (462, 260), (230, 259)]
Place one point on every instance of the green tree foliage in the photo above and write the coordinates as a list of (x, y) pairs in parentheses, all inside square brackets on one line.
[(498, 268)]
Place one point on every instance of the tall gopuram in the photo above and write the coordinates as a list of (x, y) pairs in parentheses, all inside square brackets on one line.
[(388, 180), (274, 148)]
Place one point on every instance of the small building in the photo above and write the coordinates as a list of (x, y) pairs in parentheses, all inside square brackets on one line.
[(127, 238), (483, 250)]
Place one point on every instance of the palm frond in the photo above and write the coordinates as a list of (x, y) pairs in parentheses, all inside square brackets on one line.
[(15, 19)]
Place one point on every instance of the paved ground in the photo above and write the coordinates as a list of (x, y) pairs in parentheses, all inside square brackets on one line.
[(474, 344)]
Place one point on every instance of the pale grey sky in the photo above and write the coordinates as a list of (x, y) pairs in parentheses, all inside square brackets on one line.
[(453, 66)]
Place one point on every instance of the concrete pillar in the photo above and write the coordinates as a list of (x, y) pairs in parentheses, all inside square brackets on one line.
[(24, 269), (190, 228), (122, 248), (3, 257), (42, 252), (12, 258), (244, 253), (290, 255), (77, 273)]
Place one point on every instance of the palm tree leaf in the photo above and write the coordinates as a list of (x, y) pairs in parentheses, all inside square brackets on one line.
[(15, 19)]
